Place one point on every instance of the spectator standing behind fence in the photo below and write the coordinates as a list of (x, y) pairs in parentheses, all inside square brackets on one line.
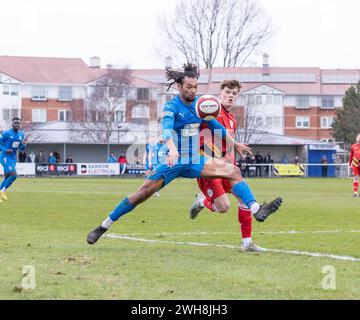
[(242, 165), (258, 160), (296, 160), (69, 159), (268, 160), (31, 157), (324, 166), (57, 157), (111, 158), (40, 158), (338, 167), (123, 162), (251, 169), (284, 159), (52, 158), (22, 156)]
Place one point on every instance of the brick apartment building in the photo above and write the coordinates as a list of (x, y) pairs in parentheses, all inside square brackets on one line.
[(299, 102)]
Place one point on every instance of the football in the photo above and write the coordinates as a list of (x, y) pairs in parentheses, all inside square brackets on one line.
[(207, 107)]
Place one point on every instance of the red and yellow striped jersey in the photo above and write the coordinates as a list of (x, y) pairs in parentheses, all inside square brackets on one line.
[(354, 155), (228, 120)]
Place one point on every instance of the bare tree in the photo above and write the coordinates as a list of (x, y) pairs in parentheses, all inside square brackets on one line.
[(216, 32), (251, 125), (107, 95)]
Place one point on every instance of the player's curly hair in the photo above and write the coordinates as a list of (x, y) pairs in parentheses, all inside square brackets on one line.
[(191, 70)]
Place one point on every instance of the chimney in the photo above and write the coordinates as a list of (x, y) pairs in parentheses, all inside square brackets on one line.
[(265, 65), (168, 62), (94, 62)]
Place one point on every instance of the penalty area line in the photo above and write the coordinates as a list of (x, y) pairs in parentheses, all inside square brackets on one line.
[(228, 246)]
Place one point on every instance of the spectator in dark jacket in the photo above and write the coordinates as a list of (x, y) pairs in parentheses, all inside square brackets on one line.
[(40, 158), (22, 156), (69, 159), (258, 160), (268, 160)]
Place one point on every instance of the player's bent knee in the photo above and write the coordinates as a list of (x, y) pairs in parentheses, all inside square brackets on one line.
[(222, 207), (236, 173)]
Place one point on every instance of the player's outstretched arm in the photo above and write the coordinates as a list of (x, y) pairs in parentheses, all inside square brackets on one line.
[(2, 142), (351, 156), (217, 127), (167, 133)]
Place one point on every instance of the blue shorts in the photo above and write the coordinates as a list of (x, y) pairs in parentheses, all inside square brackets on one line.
[(8, 163), (190, 170)]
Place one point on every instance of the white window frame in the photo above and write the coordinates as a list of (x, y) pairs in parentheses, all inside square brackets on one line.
[(65, 93), (326, 122), (302, 102), (269, 99), (299, 122), (258, 99), (140, 112), (119, 116), (325, 100), (38, 115), (250, 98), (14, 89), (6, 92), (139, 96), (12, 113), (39, 94), (67, 115)]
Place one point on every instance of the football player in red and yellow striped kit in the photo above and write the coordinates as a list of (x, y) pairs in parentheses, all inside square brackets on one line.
[(354, 162), (214, 191)]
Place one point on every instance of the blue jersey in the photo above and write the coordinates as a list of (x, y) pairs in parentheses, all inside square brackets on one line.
[(186, 126), (181, 123), (11, 140)]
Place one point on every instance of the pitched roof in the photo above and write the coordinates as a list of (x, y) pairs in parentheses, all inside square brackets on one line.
[(48, 70), (87, 133)]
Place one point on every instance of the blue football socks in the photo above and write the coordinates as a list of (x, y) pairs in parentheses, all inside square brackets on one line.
[(124, 207), (243, 191)]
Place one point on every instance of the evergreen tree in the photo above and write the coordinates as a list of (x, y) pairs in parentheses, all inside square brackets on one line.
[(346, 125)]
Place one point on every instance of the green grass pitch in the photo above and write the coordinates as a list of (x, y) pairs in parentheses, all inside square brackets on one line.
[(45, 223)]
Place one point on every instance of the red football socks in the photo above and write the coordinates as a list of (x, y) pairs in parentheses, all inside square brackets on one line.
[(356, 186), (245, 220)]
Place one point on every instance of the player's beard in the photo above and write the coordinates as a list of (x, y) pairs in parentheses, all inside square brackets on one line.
[(189, 98)]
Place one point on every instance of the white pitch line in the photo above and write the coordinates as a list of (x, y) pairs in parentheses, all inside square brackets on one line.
[(204, 244), (232, 233)]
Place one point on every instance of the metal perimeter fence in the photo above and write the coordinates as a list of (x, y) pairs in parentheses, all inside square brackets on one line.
[(273, 170)]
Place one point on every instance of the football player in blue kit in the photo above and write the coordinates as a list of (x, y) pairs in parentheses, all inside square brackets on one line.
[(180, 132), (10, 141), (154, 153)]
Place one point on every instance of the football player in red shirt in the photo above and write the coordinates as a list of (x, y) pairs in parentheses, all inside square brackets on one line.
[(214, 191), (354, 163)]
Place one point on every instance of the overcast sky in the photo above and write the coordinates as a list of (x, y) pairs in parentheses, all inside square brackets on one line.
[(311, 33)]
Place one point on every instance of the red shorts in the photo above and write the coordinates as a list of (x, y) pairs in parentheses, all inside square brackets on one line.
[(355, 170), (214, 188)]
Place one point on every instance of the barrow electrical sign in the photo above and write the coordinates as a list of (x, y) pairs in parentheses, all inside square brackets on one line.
[(98, 169)]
